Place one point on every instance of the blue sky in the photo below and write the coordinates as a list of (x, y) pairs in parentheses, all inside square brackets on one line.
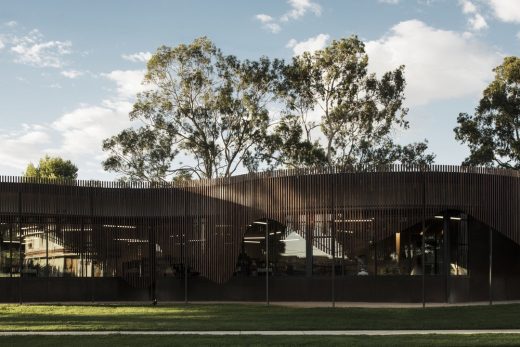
[(70, 69)]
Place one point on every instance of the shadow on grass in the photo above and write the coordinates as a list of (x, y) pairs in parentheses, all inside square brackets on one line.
[(253, 317)]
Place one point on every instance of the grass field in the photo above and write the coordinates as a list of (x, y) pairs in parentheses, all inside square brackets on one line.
[(252, 317), (112, 341)]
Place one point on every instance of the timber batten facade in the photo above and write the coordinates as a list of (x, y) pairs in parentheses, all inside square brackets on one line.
[(326, 232)]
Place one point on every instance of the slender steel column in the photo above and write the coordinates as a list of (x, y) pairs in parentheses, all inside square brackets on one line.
[(47, 260), (308, 247), (91, 207), (333, 247), (80, 249), (151, 265), (47, 252), (446, 244), (184, 254), (423, 253), (374, 242), (333, 274), (10, 250), (185, 278), (490, 266), (20, 265), (267, 261)]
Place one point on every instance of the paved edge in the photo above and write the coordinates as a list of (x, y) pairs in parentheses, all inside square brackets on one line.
[(296, 304), (265, 332)]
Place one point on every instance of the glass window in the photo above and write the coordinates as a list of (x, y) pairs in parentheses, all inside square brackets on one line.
[(354, 244), (251, 260), (459, 245), (9, 251)]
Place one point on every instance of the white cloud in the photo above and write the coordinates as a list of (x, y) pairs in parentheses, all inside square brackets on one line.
[(33, 50), (83, 130), (268, 23), (264, 18), (34, 137), (128, 82), (467, 7), (139, 57), (439, 64), (72, 73), (310, 45), (390, 2), (94, 123), (299, 8), (476, 21), (76, 135), (2, 44), (506, 10), (11, 23), (21, 147)]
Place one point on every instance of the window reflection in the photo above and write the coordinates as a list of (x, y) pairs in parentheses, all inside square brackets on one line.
[(401, 253), (44, 252), (354, 244), (252, 257), (9, 251), (459, 246), (292, 260)]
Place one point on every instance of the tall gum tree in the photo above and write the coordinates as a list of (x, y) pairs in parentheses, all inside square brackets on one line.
[(492, 133), (201, 103), (339, 114)]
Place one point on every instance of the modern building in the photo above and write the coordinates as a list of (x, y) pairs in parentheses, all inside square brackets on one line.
[(394, 233)]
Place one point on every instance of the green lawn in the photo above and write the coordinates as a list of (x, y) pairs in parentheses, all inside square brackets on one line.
[(414, 340), (252, 317)]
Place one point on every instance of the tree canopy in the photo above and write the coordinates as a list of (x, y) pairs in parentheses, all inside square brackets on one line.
[(337, 113), (492, 132), (53, 168), (207, 114), (202, 104)]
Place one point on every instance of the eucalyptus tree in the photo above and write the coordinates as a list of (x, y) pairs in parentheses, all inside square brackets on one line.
[(342, 114), (204, 115), (493, 131)]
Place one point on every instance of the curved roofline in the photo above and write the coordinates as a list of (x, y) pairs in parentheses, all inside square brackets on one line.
[(316, 170)]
